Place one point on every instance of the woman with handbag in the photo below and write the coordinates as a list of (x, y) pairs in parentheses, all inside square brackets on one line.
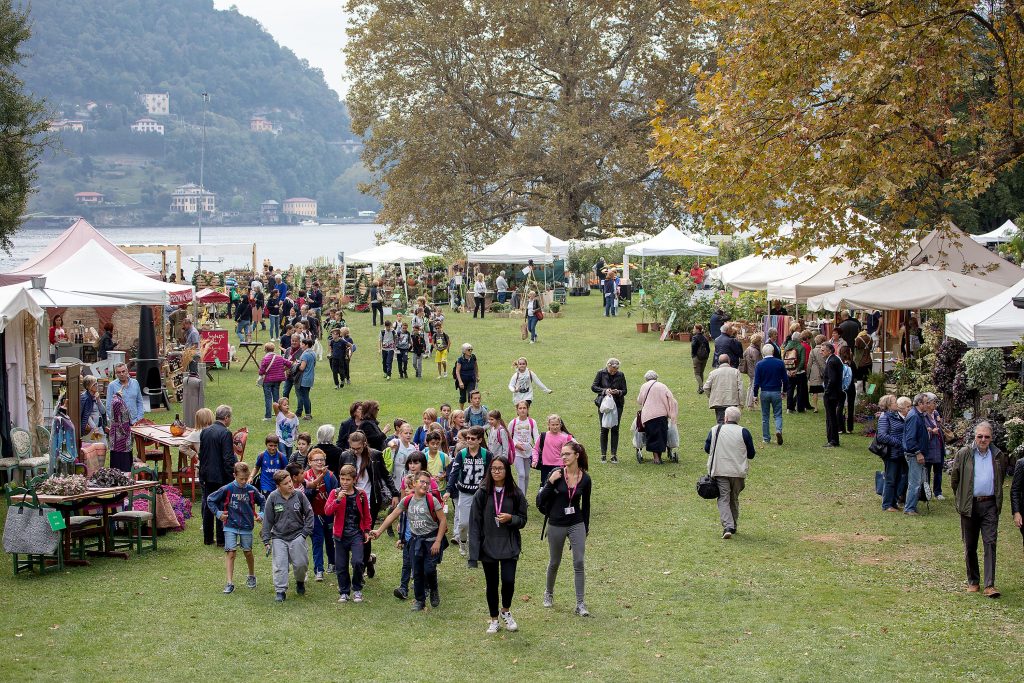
[(610, 383), (890, 434), (533, 314), (658, 407), (729, 447)]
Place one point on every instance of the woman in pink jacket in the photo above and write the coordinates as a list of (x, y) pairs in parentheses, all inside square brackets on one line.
[(547, 452), (273, 371), (658, 407)]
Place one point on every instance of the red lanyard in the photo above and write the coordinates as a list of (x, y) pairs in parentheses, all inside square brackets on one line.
[(572, 489), (498, 502)]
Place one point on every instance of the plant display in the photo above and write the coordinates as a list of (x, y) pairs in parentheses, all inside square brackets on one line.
[(109, 477), (947, 358), (63, 485), (555, 307), (984, 370)]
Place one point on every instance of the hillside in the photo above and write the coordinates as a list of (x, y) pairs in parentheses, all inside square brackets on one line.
[(91, 61)]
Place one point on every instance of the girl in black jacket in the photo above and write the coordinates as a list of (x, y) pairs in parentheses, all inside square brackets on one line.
[(610, 382), (373, 478), (497, 515)]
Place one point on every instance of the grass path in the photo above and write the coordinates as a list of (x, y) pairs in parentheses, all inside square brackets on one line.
[(818, 585)]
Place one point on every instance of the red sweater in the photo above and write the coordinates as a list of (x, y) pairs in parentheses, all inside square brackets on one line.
[(337, 508)]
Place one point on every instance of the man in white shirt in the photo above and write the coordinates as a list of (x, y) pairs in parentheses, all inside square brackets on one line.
[(501, 284)]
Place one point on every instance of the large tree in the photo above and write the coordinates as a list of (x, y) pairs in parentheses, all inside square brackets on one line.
[(898, 108), (22, 125), (482, 111)]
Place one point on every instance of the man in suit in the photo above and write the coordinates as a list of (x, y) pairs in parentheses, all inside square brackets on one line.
[(977, 479), (915, 445), (834, 395), (216, 467)]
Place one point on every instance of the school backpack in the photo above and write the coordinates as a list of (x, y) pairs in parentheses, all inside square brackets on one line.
[(847, 376), (430, 507), (792, 359)]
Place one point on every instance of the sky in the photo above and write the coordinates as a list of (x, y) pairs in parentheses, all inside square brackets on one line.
[(312, 29)]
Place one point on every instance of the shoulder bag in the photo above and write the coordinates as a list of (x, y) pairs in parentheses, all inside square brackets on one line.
[(262, 378), (707, 487)]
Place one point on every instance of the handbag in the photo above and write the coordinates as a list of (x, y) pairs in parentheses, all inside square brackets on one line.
[(538, 314), (707, 487), (28, 531), (262, 378), (879, 449)]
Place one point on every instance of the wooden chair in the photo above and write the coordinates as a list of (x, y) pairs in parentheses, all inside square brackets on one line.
[(137, 519), (30, 466), (45, 563)]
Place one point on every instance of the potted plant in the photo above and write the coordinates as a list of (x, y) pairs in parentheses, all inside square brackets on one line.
[(555, 309)]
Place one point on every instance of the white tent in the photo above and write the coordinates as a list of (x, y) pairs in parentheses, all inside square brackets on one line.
[(510, 248), (812, 277), (1004, 233), (389, 252), (671, 242), (913, 288), (992, 323), (94, 271), (753, 273), (541, 240), (14, 300)]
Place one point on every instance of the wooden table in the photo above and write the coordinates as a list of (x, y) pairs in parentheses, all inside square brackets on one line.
[(159, 435), (105, 498), (250, 347)]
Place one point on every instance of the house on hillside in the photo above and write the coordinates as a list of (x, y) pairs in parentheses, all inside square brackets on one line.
[(66, 126), (156, 103), (261, 124), (300, 206), (148, 126), (190, 198), (270, 212), (88, 197)]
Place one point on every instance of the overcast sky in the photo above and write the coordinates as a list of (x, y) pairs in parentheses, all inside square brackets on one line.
[(312, 29)]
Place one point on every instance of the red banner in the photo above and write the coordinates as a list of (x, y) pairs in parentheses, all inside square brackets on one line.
[(181, 297)]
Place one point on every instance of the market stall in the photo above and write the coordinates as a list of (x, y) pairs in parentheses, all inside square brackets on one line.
[(20, 315), (389, 252), (992, 323), (1001, 235), (813, 277)]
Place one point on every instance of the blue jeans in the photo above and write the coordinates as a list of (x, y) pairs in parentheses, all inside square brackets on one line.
[(287, 389), (243, 329), (406, 567), (609, 305), (344, 549), (771, 401), (387, 357), (275, 327), (531, 326), (502, 296), (915, 477), (895, 479), (302, 397), (322, 536), (271, 392)]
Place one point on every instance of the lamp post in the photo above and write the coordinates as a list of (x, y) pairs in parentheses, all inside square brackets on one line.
[(202, 164)]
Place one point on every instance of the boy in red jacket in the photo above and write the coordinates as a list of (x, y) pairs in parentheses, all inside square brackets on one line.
[(352, 522)]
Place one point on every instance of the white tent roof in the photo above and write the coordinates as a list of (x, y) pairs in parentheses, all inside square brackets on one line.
[(94, 271), (753, 273), (812, 277), (991, 323), (13, 300), (671, 242), (390, 252), (543, 241), (1004, 233), (510, 248), (913, 288)]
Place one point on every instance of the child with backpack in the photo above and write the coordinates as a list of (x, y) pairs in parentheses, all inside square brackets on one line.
[(467, 472), (499, 442), (235, 504), (288, 520), (419, 348), (547, 451), (386, 345), (350, 509), (403, 345), (441, 343), (416, 463), (427, 539), (523, 429), (300, 456), (420, 437), (476, 413), (268, 462), (437, 459), (319, 482)]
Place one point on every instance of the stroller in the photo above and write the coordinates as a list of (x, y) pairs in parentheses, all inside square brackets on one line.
[(640, 442)]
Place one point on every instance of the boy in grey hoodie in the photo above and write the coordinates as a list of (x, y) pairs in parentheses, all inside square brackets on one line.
[(287, 522)]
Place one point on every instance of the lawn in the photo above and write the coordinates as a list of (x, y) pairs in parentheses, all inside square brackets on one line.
[(818, 585)]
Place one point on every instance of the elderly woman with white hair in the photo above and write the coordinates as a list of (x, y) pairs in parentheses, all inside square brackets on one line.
[(658, 407), (332, 453), (729, 447), (611, 382)]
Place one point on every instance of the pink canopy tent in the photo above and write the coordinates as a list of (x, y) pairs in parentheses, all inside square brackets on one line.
[(71, 242)]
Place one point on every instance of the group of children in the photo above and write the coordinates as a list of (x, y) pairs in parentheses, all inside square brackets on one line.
[(476, 473)]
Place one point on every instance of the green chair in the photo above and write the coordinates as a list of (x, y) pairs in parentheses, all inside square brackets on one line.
[(9, 466), (30, 466), (45, 563), (135, 520)]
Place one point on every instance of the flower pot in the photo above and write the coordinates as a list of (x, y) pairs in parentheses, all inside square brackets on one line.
[(643, 327), (655, 327)]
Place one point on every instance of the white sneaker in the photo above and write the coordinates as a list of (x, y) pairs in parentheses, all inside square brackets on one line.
[(549, 600), (357, 596), (343, 598), (510, 623), (318, 576), (462, 549), (940, 497), (493, 626)]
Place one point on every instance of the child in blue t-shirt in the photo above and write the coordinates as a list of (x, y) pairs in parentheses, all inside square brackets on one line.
[(270, 461), (235, 505)]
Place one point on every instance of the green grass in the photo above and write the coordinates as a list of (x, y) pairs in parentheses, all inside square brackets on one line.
[(818, 585)]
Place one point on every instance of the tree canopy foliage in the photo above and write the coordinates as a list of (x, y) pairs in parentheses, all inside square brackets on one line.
[(22, 122), (903, 110), (480, 112)]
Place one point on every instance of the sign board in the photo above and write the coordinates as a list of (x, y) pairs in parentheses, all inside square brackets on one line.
[(668, 325), (218, 351), (181, 297), (56, 520)]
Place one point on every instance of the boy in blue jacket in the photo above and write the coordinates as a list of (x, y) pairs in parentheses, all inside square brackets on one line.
[(235, 504)]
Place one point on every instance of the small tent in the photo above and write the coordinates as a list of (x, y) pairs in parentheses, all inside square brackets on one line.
[(510, 248), (992, 323), (541, 240), (389, 252), (671, 242), (1004, 233)]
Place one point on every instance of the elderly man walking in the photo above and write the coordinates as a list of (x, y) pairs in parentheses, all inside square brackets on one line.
[(770, 380), (977, 479), (729, 447), (724, 387), (726, 343), (915, 445), (216, 468)]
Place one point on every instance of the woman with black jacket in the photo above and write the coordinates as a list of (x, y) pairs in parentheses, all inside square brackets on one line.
[(565, 501), (497, 515), (610, 382), (355, 416), (373, 479), (371, 428)]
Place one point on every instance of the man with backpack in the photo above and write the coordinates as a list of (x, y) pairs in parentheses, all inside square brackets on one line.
[(834, 395), (467, 471), (700, 351)]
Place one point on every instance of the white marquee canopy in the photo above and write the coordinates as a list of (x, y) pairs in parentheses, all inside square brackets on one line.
[(994, 322), (510, 248), (671, 242)]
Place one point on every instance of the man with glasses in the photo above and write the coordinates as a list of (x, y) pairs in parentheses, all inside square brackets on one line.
[(977, 480), (915, 444)]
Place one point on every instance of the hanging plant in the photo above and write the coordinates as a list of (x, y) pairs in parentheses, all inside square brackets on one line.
[(947, 357)]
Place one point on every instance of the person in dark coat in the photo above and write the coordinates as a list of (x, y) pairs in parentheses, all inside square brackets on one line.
[(834, 395), (890, 433), (1017, 496), (243, 316), (848, 328), (718, 318), (355, 416), (216, 468), (728, 344), (700, 350), (610, 382)]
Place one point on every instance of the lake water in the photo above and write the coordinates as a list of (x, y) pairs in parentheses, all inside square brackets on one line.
[(283, 245)]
